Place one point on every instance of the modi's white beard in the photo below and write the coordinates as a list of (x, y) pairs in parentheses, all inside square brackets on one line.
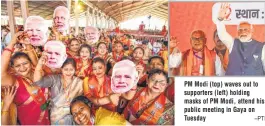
[(245, 39)]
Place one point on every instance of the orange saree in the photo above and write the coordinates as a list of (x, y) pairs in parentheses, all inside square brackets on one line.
[(83, 71), (145, 114), (92, 89)]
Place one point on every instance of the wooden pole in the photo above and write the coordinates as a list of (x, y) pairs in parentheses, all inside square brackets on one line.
[(24, 10), (76, 18), (12, 22)]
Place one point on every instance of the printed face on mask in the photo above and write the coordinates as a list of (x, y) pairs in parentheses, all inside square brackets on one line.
[(56, 53), (124, 76), (36, 31), (92, 35), (61, 20)]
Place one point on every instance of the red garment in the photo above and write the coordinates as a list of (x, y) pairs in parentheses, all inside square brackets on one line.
[(29, 114), (91, 90), (86, 71)]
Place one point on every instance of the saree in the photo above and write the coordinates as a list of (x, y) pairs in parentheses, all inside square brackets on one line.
[(61, 97), (29, 100), (91, 87), (117, 57), (156, 112)]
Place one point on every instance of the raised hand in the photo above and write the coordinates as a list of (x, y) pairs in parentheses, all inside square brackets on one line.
[(9, 94), (173, 42), (43, 59), (23, 38), (224, 11), (140, 69), (114, 98)]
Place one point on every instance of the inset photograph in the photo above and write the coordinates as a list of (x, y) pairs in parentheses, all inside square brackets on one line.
[(217, 39)]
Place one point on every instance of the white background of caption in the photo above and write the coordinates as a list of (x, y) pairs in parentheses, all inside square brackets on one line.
[(217, 118)]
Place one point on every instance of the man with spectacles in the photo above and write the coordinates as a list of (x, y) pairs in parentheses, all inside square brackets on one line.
[(197, 61), (246, 55)]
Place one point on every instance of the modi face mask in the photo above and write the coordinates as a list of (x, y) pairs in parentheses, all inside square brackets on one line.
[(124, 76), (37, 30), (91, 34), (56, 53), (61, 18)]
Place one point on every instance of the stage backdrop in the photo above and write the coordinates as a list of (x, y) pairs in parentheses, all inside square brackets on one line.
[(188, 16)]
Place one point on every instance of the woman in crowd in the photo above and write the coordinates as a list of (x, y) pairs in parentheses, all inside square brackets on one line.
[(102, 52), (84, 114), (73, 46), (28, 99), (118, 51), (149, 105), (97, 87), (84, 62), (64, 88), (137, 58)]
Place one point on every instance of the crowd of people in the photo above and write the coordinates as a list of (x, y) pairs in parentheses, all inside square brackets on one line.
[(52, 76)]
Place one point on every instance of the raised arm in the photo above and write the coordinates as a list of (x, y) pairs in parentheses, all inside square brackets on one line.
[(47, 81), (9, 93), (175, 58), (7, 79), (39, 73), (32, 54), (224, 36)]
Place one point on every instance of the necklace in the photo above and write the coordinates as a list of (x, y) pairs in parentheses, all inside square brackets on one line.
[(65, 84)]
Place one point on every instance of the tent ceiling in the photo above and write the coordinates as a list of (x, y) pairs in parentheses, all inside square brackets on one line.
[(118, 10)]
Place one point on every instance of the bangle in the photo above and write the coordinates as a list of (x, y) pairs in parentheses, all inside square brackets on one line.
[(4, 113), (10, 50)]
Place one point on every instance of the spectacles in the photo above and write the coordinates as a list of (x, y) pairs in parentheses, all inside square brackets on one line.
[(161, 82), (197, 39)]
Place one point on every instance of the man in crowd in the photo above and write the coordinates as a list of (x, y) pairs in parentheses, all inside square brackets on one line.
[(197, 61), (246, 55)]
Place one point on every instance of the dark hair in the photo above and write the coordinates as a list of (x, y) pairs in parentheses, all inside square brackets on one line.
[(81, 98), (19, 55), (118, 42), (102, 43), (74, 39), (156, 57), (98, 59), (69, 61), (158, 71), (138, 48), (85, 46), (126, 58)]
